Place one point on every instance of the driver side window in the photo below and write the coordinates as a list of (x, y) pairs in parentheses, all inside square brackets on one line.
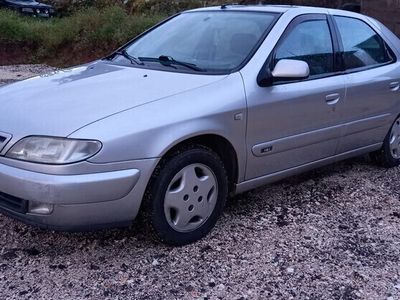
[(309, 41)]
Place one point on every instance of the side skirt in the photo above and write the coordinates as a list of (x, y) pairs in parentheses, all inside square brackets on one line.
[(260, 181)]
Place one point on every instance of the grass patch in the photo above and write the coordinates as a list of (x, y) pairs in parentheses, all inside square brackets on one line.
[(85, 35)]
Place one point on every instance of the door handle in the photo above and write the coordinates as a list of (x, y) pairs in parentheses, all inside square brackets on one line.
[(394, 86), (332, 99)]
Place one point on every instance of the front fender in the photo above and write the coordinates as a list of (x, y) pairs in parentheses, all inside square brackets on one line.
[(150, 130)]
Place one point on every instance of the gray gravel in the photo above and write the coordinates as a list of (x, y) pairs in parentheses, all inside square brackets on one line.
[(333, 233), (9, 74)]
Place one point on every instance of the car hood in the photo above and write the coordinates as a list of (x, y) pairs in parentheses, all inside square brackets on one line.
[(31, 3), (62, 102)]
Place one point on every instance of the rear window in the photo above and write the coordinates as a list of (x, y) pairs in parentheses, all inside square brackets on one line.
[(363, 47)]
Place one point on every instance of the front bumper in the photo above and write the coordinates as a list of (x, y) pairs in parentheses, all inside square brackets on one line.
[(37, 12), (77, 201), (33, 11)]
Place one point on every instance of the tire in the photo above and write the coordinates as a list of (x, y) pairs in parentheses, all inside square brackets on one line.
[(389, 155), (186, 195)]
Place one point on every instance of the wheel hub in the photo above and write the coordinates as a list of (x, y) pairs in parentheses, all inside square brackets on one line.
[(395, 140), (191, 198)]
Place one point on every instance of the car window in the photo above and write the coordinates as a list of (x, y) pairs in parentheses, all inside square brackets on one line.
[(310, 41), (215, 41), (362, 46)]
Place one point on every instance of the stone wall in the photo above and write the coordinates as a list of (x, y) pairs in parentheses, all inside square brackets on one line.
[(387, 11)]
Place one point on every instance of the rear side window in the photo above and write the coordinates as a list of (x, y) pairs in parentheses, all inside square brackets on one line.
[(362, 46), (311, 42)]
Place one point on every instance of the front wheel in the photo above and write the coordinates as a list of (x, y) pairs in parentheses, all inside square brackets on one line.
[(389, 155), (186, 195)]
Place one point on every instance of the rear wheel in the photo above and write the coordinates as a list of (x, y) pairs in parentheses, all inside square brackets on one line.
[(186, 195), (389, 155)]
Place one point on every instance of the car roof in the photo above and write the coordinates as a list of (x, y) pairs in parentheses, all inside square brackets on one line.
[(276, 9), (296, 10), (255, 7)]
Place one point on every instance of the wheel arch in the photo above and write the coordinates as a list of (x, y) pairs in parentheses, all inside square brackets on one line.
[(220, 145)]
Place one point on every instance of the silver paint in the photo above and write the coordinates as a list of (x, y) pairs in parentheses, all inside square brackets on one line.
[(288, 68), (191, 197), (139, 115)]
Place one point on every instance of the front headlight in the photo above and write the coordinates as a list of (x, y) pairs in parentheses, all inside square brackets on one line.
[(52, 150)]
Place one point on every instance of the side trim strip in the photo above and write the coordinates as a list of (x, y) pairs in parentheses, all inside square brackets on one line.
[(297, 141), (260, 181), (320, 135), (367, 124)]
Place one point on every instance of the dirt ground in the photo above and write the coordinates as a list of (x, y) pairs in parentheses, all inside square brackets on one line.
[(333, 233)]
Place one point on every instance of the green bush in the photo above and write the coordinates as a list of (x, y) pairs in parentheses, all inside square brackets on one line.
[(89, 32), (67, 7), (157, 7), (142, 7), (88, 29)]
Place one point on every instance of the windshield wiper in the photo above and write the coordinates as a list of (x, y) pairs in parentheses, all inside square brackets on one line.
[(132, 59), (169, 61)]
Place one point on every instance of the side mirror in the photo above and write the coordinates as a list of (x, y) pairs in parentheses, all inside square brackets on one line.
[(288, 69), (285, 70)]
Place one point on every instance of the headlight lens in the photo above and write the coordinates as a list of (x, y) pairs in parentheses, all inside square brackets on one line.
[(49, 150)]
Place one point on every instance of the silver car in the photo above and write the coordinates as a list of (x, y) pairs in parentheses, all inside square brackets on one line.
[(210, 103)]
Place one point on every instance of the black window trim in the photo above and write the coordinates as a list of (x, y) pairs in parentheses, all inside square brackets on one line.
[(391, 53), (337, 69), (339, 65)]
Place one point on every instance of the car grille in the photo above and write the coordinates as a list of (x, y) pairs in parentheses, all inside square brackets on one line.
[(4, 138), (13, 203)]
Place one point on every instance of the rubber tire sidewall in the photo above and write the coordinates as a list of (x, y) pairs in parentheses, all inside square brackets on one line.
[(161, 181), (385, 155)]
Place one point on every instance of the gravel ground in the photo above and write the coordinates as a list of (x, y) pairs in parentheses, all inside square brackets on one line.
[(9, 74), (333, 233)]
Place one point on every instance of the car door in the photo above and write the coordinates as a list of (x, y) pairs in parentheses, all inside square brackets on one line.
[(373, 84), (295, 123)]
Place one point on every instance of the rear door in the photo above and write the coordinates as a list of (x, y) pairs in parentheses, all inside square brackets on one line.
[(294, 123), (373, 84)]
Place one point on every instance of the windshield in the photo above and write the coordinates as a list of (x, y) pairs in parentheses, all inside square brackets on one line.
[(211, 41)]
